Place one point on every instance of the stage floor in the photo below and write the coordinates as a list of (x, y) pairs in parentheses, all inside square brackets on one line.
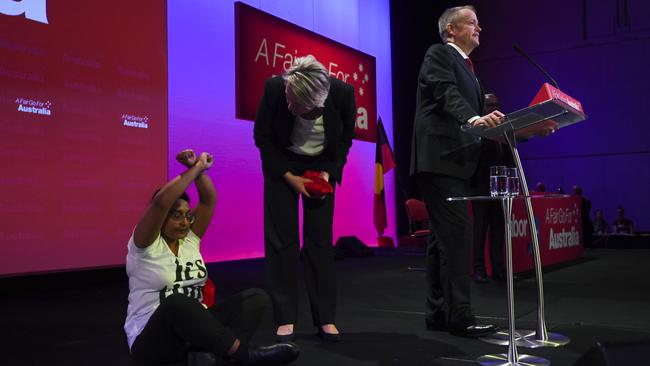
[(76, 318)]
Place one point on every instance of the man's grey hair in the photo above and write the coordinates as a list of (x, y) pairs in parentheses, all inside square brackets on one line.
[(309, 81), (451, 15)]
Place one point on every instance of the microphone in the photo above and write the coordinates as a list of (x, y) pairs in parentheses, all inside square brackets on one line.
[(527, 57)]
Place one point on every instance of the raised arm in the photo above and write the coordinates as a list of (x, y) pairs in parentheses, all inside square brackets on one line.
[(150, 224), (207, 198)]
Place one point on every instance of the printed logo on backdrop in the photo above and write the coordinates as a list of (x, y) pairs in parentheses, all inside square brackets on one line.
[(560, 224), (31, 106), (559, 231), (35, 10), (129, 120), (266, 46), (563, 223)]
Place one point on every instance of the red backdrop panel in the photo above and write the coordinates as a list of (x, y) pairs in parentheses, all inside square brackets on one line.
[(266, 46), (83, 117)]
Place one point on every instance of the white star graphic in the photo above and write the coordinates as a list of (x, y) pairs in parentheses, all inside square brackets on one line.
[(361, 91), (355, 76), (360, 67)]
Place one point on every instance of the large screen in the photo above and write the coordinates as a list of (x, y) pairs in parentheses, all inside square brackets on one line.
[(83, 120)]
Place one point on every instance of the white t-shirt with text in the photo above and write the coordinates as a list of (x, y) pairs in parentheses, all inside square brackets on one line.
[(155, 273)]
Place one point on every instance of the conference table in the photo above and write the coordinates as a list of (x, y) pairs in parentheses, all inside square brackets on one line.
[(622, 241)]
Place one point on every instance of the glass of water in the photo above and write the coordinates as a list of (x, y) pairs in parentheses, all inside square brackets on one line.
[(513, 182), (498, 180)]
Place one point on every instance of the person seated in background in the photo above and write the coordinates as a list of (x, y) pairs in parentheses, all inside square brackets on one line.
[(585, 206), (540, 189), (601, 227), (622, 225), (166, 317)]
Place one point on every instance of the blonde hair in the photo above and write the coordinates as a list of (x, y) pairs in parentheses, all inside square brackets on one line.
[(451, 16), (309, 81)]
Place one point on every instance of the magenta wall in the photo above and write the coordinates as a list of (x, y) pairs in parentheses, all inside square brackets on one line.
[(202, 109)]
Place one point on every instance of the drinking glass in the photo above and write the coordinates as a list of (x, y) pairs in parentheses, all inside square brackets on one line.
[(498, 180), (513, 182)]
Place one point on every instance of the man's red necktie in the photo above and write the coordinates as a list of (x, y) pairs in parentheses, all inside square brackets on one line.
[(470, 64)]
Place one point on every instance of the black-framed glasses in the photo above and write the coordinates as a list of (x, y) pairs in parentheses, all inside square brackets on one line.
[(179, 217)]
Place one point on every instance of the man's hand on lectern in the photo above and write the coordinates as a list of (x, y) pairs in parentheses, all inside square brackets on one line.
[(491, 119)]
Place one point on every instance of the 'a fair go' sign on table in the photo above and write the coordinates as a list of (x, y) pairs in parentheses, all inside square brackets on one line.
[(559, 226), (266, 46)]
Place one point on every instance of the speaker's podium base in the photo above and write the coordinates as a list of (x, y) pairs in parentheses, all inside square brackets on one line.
[(502, 360), (527, 339)]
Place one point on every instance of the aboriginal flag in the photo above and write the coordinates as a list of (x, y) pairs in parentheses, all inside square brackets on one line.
[(384, 162)]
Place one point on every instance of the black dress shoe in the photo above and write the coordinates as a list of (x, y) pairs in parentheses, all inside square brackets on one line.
[(480, 278), (329, 337), (276, 354), (474, 330)]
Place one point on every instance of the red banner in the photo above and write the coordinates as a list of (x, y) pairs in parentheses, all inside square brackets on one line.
[(83, 120), (559, 224), (266, 46)]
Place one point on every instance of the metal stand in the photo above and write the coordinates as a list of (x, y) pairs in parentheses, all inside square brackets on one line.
[(503, 360), (539, 337), (512, 358)]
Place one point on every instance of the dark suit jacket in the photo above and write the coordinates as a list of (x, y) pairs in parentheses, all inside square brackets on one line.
[(448, 95), (274, 124)]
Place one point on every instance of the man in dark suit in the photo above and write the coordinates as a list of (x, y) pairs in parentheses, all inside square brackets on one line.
[(443, 159), (305, 121)]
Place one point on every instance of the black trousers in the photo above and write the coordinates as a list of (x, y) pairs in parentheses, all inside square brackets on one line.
[(282, 249), (448, 250), (180, 324), (488, 218), (488, 215)]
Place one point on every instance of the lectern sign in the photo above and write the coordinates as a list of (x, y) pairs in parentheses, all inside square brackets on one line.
[(548, 92), (559, 225), (266, 46)]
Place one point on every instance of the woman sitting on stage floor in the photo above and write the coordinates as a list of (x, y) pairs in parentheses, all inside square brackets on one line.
[(165, 317)]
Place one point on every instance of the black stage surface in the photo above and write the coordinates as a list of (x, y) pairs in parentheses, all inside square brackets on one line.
[(76, 318)]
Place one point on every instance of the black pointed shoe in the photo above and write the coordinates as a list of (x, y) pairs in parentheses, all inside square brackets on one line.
[(282, 338), (329, 337)]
